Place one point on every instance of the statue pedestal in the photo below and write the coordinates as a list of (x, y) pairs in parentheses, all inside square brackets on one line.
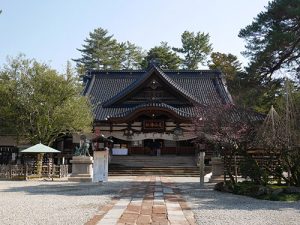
[(82, 169), (217, 165), (100, 168)]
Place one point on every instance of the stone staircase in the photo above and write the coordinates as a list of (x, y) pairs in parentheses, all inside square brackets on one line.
[(169, 165)]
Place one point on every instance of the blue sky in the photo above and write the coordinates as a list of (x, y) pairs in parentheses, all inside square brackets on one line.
[(50, 31)]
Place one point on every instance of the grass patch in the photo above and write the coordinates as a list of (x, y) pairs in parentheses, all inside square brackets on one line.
[(276, 186), (281, 197), (270, 192)]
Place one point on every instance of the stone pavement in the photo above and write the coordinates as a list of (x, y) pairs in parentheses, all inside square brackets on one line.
[(150, 200)]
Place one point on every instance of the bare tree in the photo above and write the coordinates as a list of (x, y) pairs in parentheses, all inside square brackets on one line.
[(230, 127)]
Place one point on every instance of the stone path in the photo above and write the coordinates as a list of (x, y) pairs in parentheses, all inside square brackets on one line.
[(151, 200)]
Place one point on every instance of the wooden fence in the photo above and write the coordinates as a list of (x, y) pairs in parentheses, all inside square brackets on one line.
[(28, 171), (270, 161)]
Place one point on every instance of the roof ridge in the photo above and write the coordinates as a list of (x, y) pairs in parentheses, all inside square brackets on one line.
[(174, 83), (143, 70)]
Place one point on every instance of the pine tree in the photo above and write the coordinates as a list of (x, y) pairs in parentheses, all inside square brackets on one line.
[(133, 56), (195, 49), (229, 65), (100, 51), (163, 56), (273, 39)]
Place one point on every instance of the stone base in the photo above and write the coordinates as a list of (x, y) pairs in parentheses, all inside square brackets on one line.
[(217, 170), (216, 179), (80, 178), (82, 169)]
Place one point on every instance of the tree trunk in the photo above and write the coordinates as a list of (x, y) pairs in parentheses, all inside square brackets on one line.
[(39, 164)]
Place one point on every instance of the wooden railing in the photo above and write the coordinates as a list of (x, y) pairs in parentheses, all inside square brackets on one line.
[(269, 161), (27, 171)]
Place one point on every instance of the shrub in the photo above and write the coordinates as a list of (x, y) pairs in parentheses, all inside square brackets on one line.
[(250, 168)]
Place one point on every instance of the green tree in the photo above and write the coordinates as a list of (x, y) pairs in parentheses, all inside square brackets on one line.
[(40, 104), (133, 56), (7, 103), (247, 90), (227, 63), (236, 79), (272, 44), (273, 39), (162, 55), (195, 48), (100, 51)]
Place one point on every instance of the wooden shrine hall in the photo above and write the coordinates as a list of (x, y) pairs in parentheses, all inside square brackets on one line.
[(149, 112)]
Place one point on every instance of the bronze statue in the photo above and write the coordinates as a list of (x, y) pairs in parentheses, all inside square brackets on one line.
[(83, 150)]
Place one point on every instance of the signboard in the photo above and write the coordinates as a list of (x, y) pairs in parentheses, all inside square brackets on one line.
[(153, 125)]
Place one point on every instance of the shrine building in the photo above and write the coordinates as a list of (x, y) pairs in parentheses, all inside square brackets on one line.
[(150, 112)]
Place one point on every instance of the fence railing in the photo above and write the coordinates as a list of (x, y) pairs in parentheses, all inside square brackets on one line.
[(27, 171)]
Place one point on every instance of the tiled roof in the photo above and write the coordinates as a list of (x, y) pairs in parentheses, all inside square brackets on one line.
[(204, 87), (154, 105), (168, 81)]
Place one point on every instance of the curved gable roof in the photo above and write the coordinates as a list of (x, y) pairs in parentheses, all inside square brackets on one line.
[(205, 87), (140, 82)]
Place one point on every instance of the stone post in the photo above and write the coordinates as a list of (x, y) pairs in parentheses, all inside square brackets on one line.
[(100, 168), (217, 170), (201, 168), (26, 172)]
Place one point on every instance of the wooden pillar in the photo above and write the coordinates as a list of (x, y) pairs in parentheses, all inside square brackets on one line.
[(201, 168), (10, 171), (25, 171), (235, 169), (49, 170)]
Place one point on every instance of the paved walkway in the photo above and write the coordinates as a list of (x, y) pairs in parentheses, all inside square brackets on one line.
[(150, 200)]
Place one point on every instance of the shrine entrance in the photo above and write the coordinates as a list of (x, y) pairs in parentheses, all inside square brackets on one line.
[(153, 147)]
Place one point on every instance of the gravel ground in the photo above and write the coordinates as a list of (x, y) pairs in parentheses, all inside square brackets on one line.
[(48, 202), (212, 207)]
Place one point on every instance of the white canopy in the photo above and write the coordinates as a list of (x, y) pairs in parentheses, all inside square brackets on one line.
[(39, 148)]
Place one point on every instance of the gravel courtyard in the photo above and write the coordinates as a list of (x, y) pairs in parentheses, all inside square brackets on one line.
[(48, 202), (214, 208)]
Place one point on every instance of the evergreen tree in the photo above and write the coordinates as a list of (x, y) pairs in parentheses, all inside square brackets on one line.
[(229, 65), (133, 56), (195, 49), (100, 51), (273, 39), (163, 56)]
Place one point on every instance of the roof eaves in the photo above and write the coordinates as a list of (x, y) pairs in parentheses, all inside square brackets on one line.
[(89, 85), (152, 104)]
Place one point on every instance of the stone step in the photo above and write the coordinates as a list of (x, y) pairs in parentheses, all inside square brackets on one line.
[(153, 161), (162, 171), (165, 165)]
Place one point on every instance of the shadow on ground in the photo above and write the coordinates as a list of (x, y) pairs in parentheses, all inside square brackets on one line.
[(201, 198)]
